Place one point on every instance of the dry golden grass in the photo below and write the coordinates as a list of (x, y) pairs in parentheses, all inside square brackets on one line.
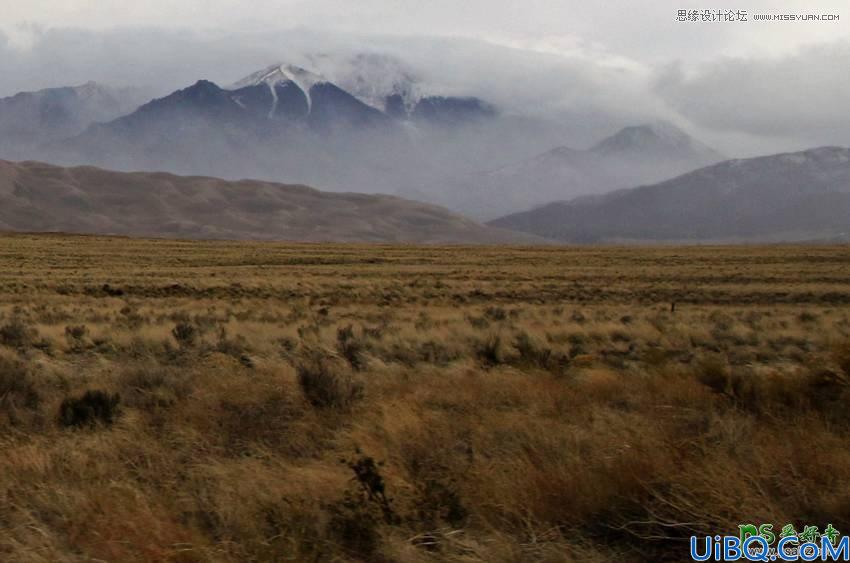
[(384, 403)]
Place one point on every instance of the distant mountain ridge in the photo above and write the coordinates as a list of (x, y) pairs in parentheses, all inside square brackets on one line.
[(784, 197), (401, 100), (36, 197), (296, 93), (632, 156), (28, 119), (659, 140), (366, 123), (283, 123)]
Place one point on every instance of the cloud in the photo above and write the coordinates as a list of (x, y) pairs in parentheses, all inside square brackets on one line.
[(645, 30), (590, 94), (582, 89), (804, 95)]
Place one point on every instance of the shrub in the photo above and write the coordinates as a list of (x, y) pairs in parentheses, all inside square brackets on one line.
[(152, 387), (367, 474), (480, 323), (807, 317), (496, 314), (185, 334), (423, 322), (437, 353), (656, 356), (713, 373), (112, 291), (91, 408), (16, 386), (76, 337), (354, 527), (17, 334), (355, 519), (236, 347), (841, 355), (531, 353), (350, 347), (490, 352), (437, 502), (76, 332), (375, 333), (620, 336), (326, 385)]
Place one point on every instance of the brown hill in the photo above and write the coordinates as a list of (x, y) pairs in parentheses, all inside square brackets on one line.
[(46, 198)]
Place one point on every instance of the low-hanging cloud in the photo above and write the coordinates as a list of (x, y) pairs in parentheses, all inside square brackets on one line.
[(803, 96), (742, 105), (589, 98)]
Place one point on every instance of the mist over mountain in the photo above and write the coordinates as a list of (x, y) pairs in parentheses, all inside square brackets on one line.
[(659, 142), (29, 119), (45, 198), (784, 197), (366, 123), (372, 122), (634, 155), (290, 124)]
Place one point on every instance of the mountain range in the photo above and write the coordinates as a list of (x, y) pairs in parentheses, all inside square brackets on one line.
[(785, 197), (283, 123), (372, 127), (370, 124), (46, 198)]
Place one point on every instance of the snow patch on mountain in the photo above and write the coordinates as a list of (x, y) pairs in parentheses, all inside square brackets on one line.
[(280, 74)]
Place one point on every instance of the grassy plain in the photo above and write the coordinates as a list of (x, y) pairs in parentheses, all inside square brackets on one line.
[(274, 402)]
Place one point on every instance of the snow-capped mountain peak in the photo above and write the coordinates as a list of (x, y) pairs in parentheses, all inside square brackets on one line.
[(280, 73), (378, 81)]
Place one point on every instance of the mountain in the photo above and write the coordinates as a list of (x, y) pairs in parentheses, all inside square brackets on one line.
[(633, 156), (46, 198), (659, 141), (377, 82), (263, 102), (366, 123), (785, 197), (28, 119), (282, 123), (451, 110), (380, 80), (387, 83), (277, 126), (294, 92)]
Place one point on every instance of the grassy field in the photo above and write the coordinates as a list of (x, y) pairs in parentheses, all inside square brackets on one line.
[(182, 401)]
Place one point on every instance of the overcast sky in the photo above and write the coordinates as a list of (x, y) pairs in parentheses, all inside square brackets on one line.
[(751, 86), (643, 30)]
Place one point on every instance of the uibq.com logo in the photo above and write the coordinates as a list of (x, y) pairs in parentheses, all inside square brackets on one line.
[(764, 543)]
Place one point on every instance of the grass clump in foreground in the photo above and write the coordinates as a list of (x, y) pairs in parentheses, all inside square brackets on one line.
[(313, 403)]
